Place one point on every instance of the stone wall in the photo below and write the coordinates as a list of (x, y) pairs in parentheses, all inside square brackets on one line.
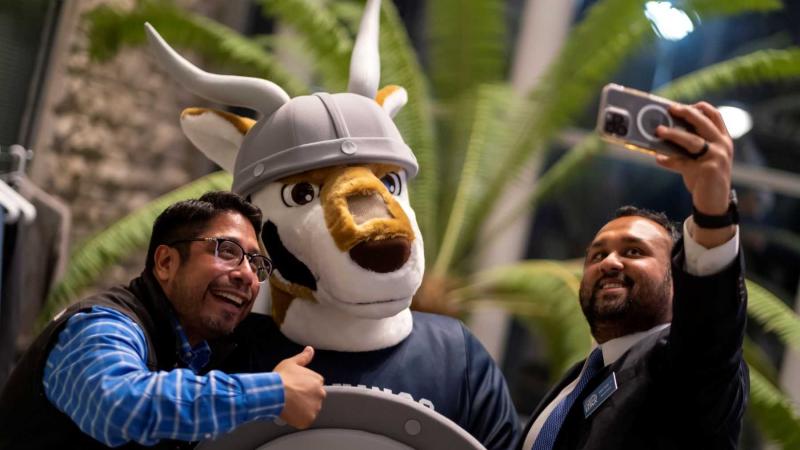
[(111, 141)]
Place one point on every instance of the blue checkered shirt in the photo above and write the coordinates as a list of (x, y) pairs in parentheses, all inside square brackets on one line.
[(97, 374)]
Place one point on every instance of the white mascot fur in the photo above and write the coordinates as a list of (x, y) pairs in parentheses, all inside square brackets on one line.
[(330, 173)]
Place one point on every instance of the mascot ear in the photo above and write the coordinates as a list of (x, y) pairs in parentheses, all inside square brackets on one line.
[(218, 134), (392, 98)]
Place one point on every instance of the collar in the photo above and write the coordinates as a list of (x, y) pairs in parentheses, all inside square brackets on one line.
[(615, 348), (195, 357), (172, 338)]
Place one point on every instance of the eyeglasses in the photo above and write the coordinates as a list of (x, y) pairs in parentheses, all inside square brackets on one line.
[(232, 254)]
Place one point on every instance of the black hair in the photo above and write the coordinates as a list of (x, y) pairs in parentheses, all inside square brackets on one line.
[(188, 219), (656, 216)]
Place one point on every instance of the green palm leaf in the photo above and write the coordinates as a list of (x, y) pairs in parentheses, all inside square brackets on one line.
[(758, 360), (551, 182), (544, 295), (131, 233), (757, 68), (399, 65), (322, 34), (594, 51), (111, 28), (775, 415), (484, 114), (773, 315), (753, 69), (467, 45)]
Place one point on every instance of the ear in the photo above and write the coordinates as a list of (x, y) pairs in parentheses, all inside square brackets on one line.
[(392, 98), (217, 134), (166, 263)]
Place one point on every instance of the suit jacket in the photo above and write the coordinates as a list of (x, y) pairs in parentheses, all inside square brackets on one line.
[(684, 387)]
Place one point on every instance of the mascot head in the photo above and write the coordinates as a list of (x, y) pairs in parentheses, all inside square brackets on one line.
[(330, 173)]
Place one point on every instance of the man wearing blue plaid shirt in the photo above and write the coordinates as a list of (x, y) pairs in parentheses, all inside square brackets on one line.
[(134, 365)]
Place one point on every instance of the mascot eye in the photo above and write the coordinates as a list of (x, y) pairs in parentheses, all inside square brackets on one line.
[(298, 194), (393, 183)]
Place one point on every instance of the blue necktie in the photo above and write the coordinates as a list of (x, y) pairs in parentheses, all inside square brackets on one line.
[(547, 436)]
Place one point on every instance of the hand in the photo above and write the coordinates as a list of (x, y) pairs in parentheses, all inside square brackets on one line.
[(302, 387), (708, 178)]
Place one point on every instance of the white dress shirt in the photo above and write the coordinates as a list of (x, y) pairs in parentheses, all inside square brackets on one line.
[(699, 261)]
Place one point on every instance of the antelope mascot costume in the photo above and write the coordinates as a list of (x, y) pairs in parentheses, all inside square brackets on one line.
[(330, 173)]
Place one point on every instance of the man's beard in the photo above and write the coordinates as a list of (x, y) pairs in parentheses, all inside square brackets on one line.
[(194, 315), (647, 303), (215, 327)]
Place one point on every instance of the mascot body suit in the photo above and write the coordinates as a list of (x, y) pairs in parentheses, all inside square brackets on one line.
[(330, 173)]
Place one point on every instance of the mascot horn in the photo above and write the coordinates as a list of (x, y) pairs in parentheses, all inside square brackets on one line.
[(330, 173)]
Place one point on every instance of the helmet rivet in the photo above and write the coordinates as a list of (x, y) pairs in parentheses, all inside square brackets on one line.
[(349, 147), (258, 170)]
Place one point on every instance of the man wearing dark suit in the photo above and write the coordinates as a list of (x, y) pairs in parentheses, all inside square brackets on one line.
[(668, 315)]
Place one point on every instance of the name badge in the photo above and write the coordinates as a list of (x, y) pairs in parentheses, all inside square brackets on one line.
[(601, 394)]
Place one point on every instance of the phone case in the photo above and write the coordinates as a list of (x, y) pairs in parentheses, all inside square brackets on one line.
[(629, 117)]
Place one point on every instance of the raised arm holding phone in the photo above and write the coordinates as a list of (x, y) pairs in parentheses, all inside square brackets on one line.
[(668, 312)]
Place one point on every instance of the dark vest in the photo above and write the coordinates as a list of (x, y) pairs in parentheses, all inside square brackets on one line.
[(29, 420)]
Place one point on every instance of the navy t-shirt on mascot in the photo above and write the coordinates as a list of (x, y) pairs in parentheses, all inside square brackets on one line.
[(330, 173)]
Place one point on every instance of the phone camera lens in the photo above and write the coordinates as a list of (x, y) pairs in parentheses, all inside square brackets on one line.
[(616, 123)]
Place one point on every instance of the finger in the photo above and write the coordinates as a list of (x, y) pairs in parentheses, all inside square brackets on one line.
[(713, 113), (702, 124), (691, 142), (673, 163), (304, 357)]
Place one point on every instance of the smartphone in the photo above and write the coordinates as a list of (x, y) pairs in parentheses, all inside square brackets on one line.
[(629, 117)]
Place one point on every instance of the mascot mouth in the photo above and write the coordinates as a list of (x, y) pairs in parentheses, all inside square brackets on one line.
[(291, 269), (295, 271), (368, 303)]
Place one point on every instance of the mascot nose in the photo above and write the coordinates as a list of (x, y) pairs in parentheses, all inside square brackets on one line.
[(364, 207), (383, 256)]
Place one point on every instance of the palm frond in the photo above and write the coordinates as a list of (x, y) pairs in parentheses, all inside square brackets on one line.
[(759, 360), (483, 115), (544, 294), (399, 65), (111, 28), (321, 33), (593, 52), (131, 233), (775, 414), (773, 315), (467, 45), (551, 182), (763, 66), (757, 68), (467, 48)]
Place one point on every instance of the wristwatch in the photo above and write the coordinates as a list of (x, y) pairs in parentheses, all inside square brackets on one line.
[(731, 217)]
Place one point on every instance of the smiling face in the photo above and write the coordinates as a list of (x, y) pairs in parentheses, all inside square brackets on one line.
[(627, 283), (209, 296)]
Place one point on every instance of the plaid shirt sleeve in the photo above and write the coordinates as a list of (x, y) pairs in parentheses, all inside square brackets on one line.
[(97, 375)]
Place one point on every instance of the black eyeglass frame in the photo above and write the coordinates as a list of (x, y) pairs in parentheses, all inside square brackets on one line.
[(250, 256)]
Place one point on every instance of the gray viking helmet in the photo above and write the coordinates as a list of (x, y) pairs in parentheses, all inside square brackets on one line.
[(306, 132)]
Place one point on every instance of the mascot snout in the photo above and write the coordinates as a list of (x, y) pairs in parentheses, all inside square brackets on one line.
[(365, 219)]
